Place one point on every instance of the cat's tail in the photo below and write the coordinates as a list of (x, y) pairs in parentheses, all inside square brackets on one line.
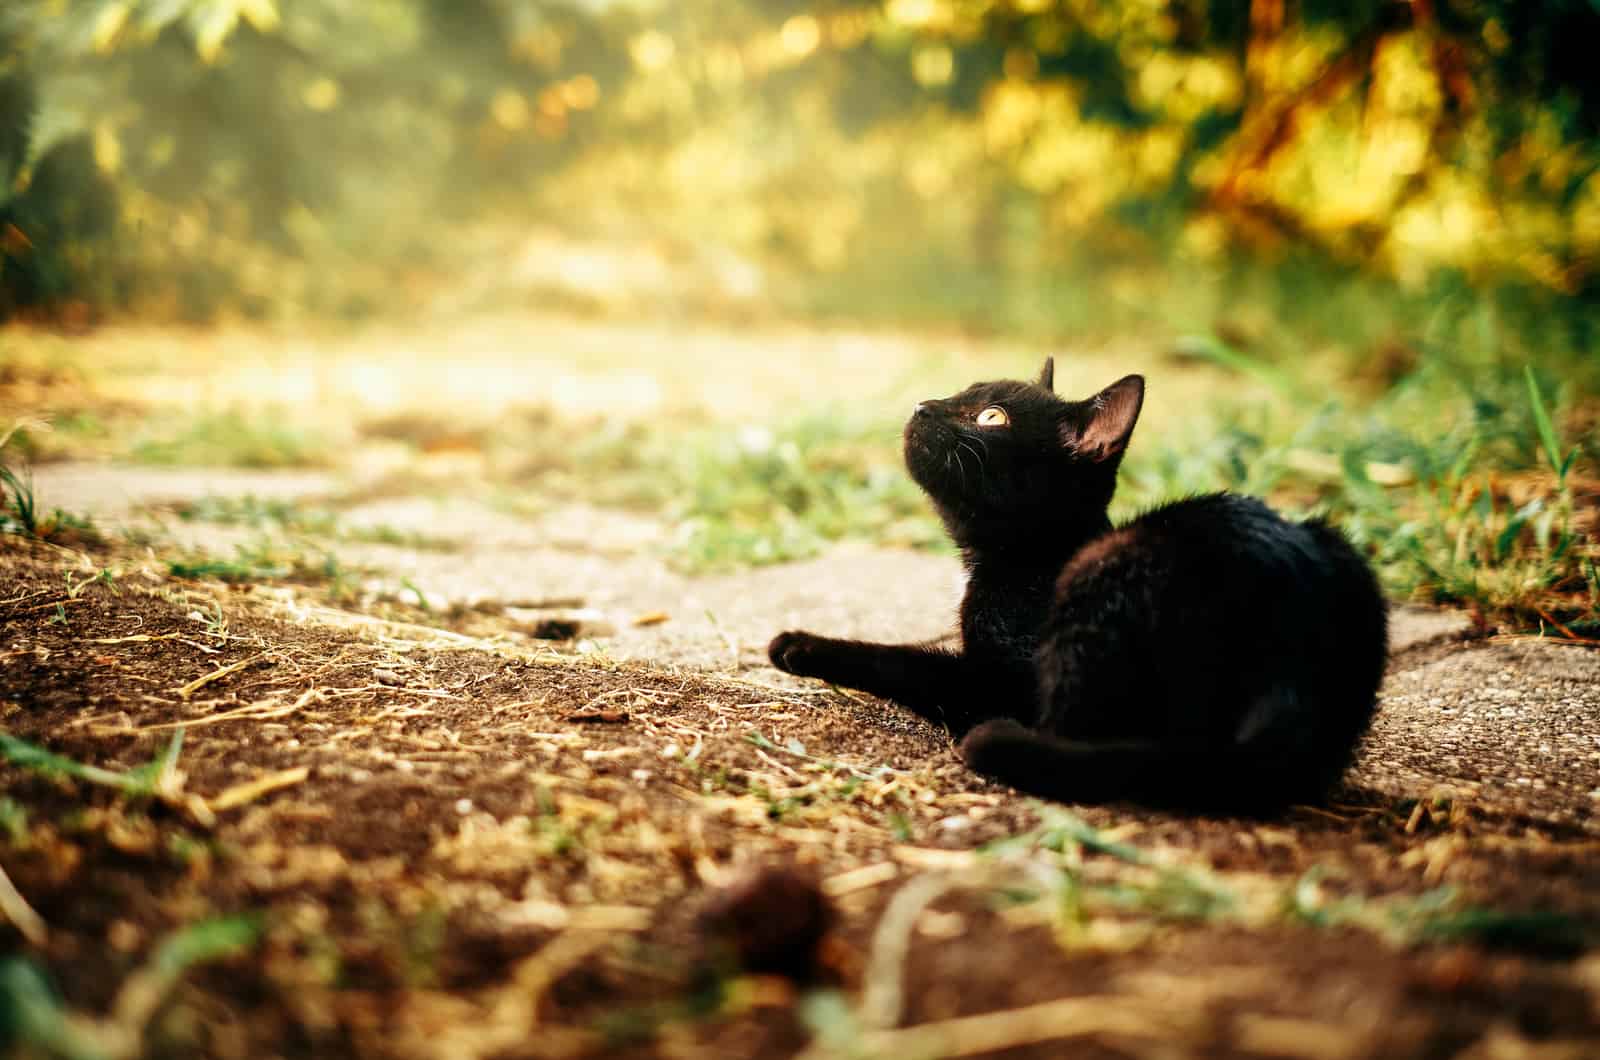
[(1223, 780)]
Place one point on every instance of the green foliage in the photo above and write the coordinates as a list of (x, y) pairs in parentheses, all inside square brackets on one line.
[(1148, 887), (1445, 479), (758, 496), (247, 137), (265, 560), (20, 512), (259, 513), (13, 821), (232, 439), (141, 782), (31, 1015), (296, 517)]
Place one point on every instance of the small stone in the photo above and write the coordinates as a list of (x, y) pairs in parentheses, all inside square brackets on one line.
[(770, 920), (124, 935)]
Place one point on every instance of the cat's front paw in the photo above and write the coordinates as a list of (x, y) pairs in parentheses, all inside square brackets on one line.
[(796, 652)]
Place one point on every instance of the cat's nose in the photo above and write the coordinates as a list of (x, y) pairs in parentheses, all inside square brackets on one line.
[(924, 408)]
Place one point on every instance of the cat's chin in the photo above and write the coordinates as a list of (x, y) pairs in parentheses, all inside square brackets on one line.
[(926, 456)]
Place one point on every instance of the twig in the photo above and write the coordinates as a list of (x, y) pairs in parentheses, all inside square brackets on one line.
[(262, 711), (1570, 635), (251, 790), (216, 675), (50, 605), (859, 879), (991, 1032), (20, 913), (883, 988)]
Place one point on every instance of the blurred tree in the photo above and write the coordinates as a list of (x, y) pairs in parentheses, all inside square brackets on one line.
[(244, 135)]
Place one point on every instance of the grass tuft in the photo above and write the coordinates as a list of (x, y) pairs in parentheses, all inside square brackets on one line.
[(234, 439), (20, 512)]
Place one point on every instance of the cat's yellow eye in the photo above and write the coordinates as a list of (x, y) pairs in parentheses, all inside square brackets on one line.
[(993, 416)]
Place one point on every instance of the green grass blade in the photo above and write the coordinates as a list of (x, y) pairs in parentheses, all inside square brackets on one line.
[(1547, 430), (31, 1016), (1539, 932), (25, 755), (1211, 348), (208, 940)]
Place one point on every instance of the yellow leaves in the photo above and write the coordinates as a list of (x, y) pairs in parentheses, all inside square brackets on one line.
[(724, 65), (1394, 147), (546, 114), (915, 12), (579, 93), (800, 35), (933, 65), (930, 177), (320, 94), (1010, 114), (213, 23), (107, 149), (1183, 87), (652, 50), (107, 24), (261, 14), (211, 26), (846, 29), (509, 109), (540, 46)]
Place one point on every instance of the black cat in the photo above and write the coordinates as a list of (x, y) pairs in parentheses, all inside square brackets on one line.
[(1206, 655)]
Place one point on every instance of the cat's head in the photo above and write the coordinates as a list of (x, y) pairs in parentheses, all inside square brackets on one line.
[(1011, 453)]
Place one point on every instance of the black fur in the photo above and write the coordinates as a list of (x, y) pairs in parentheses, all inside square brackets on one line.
[(1206, 655)]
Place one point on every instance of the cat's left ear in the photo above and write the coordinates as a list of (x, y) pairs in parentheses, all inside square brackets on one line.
[(1047, 377), (1112, 414)]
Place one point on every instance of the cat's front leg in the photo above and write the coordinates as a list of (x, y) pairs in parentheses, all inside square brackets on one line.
[(938, 685)]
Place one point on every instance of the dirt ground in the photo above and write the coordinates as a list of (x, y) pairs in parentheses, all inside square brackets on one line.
[(482, 844), (507, 783)]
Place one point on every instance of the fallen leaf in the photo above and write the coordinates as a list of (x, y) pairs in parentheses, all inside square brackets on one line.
[(610, 717)]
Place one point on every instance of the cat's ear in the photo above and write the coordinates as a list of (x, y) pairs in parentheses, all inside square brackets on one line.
[(1047, 377), (1112, 414)]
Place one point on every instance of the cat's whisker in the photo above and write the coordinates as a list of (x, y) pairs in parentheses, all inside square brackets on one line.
[(983, 471), (961, 465)]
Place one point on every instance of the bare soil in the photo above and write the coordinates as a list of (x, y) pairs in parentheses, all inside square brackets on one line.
[(457, 837), (484, 847)]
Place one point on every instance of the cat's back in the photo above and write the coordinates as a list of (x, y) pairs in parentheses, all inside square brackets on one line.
[(1226, 559), (1242, 534), (1185, 620)]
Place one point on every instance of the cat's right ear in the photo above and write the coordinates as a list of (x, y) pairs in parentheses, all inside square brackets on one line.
[(1112, 414), (1047, 377)]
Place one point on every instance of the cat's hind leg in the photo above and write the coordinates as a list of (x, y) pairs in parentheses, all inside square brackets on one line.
[(1226, 779)]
